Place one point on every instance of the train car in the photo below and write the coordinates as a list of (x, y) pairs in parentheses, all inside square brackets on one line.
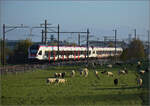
[(43, 52)]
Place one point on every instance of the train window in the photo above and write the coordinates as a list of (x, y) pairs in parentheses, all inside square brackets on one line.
[(40, 52), (93, 52), (89, 52), (46, 53)]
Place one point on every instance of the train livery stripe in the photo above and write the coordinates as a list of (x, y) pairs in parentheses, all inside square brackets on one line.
[(74, 55), (78, 55), (54, 55), (49, 56), (63, 55)]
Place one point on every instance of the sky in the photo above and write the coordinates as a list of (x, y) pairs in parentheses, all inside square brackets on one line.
[(101, 17)]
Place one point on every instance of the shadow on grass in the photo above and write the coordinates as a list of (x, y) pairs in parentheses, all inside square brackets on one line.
[(98, 99), (134, 87)]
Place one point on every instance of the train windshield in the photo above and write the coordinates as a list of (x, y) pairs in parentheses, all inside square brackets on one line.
[(34, 49)]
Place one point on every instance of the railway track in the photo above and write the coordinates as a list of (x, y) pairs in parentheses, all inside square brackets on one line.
[(15, 69)]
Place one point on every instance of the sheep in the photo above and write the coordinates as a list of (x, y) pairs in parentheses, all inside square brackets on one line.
[(55, 75), (116, 81), (61, 80), (109, 66), (81, 73), (142, 71), (139, 82), (110, 74), (85, 72), (96, 73), (121, 72), (126, 71), (138, 64), (72, 73), (63, 74), (51, 80), (59, 75)]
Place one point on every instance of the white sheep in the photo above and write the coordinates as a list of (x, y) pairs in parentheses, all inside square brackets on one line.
[(85, 70), (96, 73), (110, 74), (139, 63), (51, 80), (59, 74), (55, 75), (81, 73), (61, 80), (72, 73), (109, 66), (121, 72), (139, 82), (142, 71)]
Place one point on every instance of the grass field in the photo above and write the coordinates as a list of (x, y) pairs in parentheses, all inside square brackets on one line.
[(30, 88)]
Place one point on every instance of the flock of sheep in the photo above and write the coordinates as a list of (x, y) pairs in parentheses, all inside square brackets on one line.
[(59, 77)]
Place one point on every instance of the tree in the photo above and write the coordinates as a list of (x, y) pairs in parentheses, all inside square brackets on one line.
[(4, 55), (124, 55), (134, 51), (110, 44), (21, 51)]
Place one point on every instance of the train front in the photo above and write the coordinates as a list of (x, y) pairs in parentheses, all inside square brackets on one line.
[(32, 52)]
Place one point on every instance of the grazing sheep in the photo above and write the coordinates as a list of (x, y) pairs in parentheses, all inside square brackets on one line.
[(121, 72), (72, 73), (85, 72), (110, 74), (109, 66), (55, 75), (138, 64), (139, 82), (96, 73), (142, 71), (63, 74), (51, 80), (115, 81), (81, 73), (61, 80), (126, 71), (59, 75)]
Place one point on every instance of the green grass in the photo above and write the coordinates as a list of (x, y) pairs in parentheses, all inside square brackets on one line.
[(30, 88)]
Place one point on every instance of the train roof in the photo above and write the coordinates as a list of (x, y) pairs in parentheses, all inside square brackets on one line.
[(78, 47)]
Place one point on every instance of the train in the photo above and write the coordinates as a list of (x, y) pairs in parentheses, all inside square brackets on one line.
[(50, 53)]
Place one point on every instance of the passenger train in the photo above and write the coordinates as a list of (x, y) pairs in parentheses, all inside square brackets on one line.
[(50, 53)]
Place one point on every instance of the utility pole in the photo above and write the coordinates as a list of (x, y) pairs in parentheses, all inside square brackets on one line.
[(79, 39), (58, 42), (148, 46), (87, 47), (45, 31), (129, 38), (135, 33), (115, 44), (42, 36), (3, 46)]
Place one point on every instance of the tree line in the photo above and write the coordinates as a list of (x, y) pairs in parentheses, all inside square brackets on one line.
[(18, 55)]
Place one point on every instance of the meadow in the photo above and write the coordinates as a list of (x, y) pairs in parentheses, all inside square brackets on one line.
[(30, 88)]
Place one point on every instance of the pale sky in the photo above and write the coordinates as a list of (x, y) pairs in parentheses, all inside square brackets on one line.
[(101, 17)]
